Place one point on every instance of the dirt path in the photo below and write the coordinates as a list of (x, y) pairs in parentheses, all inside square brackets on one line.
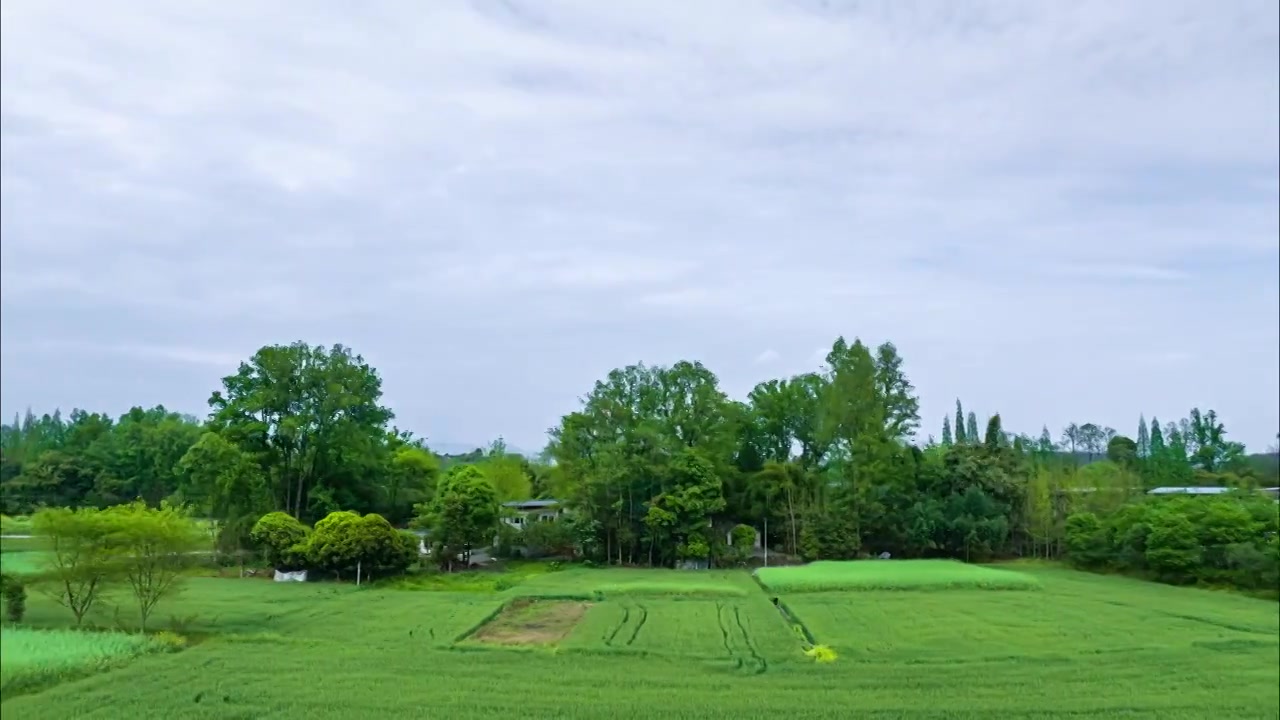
[(533, 622)]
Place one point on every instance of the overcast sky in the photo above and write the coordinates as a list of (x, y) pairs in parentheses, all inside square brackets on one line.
[(1061, 211)]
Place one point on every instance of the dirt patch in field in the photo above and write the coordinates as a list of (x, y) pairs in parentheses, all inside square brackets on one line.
[(533, 622)]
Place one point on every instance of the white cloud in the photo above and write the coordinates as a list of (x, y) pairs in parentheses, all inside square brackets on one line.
[(1008, 190)]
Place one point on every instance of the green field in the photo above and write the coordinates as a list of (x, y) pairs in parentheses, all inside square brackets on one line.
[(23, 562), (31, 658), (650, 643), (892, 575)]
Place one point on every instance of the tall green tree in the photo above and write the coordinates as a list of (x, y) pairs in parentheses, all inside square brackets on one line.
[(410, 480), (461, 517), (962, 436), (311, 416), (994, 437), (80, 557), (152, 550), (1212, 451), (971, 429)]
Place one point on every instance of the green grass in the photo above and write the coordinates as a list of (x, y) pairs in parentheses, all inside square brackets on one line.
[(15, 525), (22, 544), (864, 575), (636, 582), (33, 658), (1085, 646), (24, 563), (481, 581)]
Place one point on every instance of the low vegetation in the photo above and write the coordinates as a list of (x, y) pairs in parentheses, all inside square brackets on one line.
[(1225, 541), (30, 659), (892, 575), (1092, 646)]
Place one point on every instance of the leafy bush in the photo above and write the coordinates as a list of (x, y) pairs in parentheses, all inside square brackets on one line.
[(548, 538), (14, 594), (344, 542), (282, 540), (742, 539), (1227, 540), (1086, 540)]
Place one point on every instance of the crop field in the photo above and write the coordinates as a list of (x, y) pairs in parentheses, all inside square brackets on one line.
[(629, 582), (15, 524), (26, 562), (29, 658), (746, 633), (892, 575), (636, 644)]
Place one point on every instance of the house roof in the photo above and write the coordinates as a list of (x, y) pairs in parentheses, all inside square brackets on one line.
[(531, 504)]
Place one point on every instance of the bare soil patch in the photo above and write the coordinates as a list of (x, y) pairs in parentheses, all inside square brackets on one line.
[(533, 622)]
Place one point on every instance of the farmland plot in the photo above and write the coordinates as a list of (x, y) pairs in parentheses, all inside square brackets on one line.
[(1085, 646), (747, 632), (917, 575), (974, 625)]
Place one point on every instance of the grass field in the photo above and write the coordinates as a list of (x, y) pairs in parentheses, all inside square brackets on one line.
[(30, 658), (892, 575), (15, 524), (25, 562), (642, 643)]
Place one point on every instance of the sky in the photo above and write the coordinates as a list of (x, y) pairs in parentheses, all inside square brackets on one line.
[(1057, 211)]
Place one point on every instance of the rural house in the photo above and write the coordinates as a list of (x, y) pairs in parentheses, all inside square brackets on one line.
[(523, 512)]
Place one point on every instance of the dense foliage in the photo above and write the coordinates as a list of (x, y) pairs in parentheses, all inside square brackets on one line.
[(142, 549), (825, 464), (656, 467), (1230, 541)]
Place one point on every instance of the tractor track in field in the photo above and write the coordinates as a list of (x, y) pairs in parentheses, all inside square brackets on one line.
[(758, 659), (626, 615), (644, 615), (751, 661)]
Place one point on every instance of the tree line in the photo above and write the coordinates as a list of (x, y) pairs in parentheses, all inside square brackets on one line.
[(658, 460), (298, 429), (655, 467)]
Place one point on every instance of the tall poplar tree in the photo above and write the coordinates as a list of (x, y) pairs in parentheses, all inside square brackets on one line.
[(1144, 438)]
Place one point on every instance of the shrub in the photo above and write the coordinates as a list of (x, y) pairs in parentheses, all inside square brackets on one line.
[(694, 548), (1086, 540), (1225, 540), (15, 598), (282, 540), (548, 538), (1172, 550), (165, 641), (344, 542), (742, 539)]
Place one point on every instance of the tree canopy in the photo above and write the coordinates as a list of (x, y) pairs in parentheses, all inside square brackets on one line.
[(656, 466)]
